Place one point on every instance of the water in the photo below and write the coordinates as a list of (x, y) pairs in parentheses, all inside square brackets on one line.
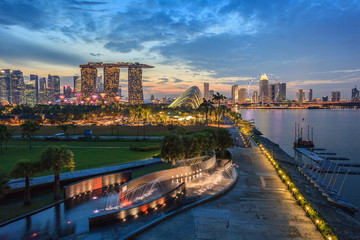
[(336, 130)]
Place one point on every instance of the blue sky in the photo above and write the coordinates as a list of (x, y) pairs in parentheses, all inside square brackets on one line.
[(305, 43)]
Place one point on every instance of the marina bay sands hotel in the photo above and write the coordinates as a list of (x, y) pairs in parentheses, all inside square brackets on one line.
[(111, 80)]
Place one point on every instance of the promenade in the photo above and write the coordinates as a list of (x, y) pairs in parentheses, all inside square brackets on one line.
[(258, 207)]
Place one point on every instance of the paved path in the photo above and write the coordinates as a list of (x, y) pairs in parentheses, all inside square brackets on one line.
[(258, 207), (20, 183)]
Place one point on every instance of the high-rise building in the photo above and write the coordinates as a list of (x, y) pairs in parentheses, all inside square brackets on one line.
[(43, 90), (135, 85), (255, 97), (5, 85), (273, 89), (30, 93), (88, 81), (264, 89), (310, 95), (300, 95), (53, 87), (75, 78), (35, 78), (111, 82), (17, 87), (278, 92), (206, 91), (325, 98), (235, 93), (335, 96), (242, 95), (355, 94)]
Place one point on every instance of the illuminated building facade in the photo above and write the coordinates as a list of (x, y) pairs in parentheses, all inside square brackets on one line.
[(77, 81), (30, 93), (264, 89), (5, 86), (53, 87), (88, 81), (310, 95), (111, 82), (35, 79), (206, 91), (255, 97), (43, 90), (190, 98), (17, 87), (300, 95), (242, 95), (235, 93), (67, 91), (355, 94)]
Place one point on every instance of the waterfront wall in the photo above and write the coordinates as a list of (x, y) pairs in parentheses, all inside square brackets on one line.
[(95, 183)]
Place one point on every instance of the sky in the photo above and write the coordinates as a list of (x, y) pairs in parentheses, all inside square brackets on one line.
[(304, 43)]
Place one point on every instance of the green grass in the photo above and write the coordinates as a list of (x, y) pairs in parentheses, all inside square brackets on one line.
[(85, 155)]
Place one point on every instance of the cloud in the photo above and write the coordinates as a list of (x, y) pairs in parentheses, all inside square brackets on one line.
[(163, 80), (178, 80), (123, 47), (96, 54)]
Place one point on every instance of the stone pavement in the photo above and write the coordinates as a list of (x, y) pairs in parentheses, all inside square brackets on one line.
[(258, 207)]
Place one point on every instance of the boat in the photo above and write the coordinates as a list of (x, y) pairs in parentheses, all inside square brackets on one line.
[(300, 142)]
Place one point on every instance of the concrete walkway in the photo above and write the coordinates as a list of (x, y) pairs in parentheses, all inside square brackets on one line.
[(259, 207), (20, 183)]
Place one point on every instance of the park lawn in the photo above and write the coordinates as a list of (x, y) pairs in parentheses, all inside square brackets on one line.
[(85, 144), (85, 158), (109, 131)]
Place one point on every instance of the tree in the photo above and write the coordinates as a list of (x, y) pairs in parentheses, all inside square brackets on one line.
[(25, 169), (191, 146), (225, 140), (64, 127), (172, 148), (4, 187), (218, 97), (29, 128), (3, 130), (55, 157), (74, 127), (8, 135), (206, 105)]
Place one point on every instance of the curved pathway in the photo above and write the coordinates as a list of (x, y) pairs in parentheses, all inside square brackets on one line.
[(258, 207)]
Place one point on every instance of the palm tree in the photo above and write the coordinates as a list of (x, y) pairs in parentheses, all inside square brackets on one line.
[(218, 97), (64, 127), (25, 169), (29, 128), (4, 187), (56, 157), (207, 104)]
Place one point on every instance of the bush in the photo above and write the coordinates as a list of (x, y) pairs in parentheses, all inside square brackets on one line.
[(145, 148)]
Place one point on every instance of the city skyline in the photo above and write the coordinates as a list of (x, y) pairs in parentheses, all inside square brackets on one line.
[(305, 44)]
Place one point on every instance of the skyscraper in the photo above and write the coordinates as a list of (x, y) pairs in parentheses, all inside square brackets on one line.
[(135, 86), (88, 81), (35, 79), (206, 91), (43, 90), (273, 88), (278, 91), (355, 94), (282, 92), (310, 95), (5, 86), (74, 86), (30, 93), (111, 82), (242, 95), (300, 95), (235, 93), (264, 89), (53, 87), (255, 97), (17, 87), (335, 96)]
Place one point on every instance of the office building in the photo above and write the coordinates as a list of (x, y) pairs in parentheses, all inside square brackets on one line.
[(76, 82), (5, 86), (30, 93), (17, 87), (335, 96), (35, 79), (67, 91), (53, 87), (273, 89), (264, 89), (207, 92), (325, 98), (242, 95), (355, 94), (300, 95), (135, 85), (111, 82), (235, 93), (310, 95), (43, 96), (255, 97), (280, 89)]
